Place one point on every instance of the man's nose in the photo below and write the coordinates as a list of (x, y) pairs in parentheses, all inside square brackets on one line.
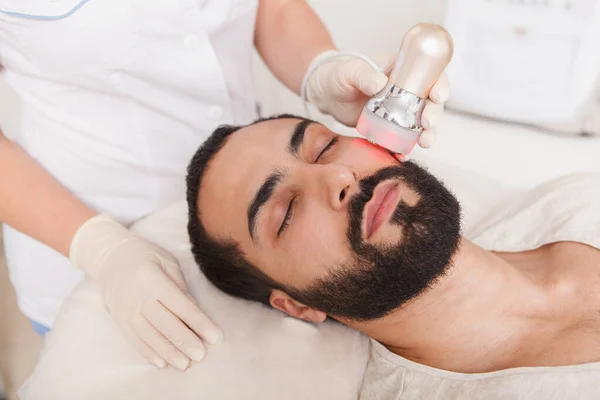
[(338, 184)]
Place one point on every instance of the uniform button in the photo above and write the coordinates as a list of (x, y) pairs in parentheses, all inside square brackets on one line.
[(191, 42), (215, 112)]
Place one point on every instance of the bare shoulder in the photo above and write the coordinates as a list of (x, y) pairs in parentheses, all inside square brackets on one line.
[(575, 249), (580, 258)]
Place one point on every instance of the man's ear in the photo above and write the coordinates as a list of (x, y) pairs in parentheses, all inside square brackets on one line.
[(281, 301)]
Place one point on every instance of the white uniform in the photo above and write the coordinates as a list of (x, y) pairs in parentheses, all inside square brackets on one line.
[(116, 97)]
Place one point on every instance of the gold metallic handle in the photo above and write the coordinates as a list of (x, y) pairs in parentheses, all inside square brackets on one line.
[(425, 52)]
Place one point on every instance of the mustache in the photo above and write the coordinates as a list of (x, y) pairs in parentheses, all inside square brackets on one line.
[(405, 171), (367, 186)]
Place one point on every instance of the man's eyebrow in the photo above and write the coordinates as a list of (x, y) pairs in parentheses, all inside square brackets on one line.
[(298, 137), (261, 198)]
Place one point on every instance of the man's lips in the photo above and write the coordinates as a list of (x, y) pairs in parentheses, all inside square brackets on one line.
[(381, 206)]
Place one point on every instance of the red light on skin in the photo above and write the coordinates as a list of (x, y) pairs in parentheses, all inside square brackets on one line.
[(365, 143), (389, 140), (392, 141), (380, 132)]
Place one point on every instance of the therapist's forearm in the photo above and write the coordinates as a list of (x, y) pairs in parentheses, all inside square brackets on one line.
[(33, 202), (289, 35)]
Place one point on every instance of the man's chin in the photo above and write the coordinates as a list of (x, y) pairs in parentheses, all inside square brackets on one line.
[(388, 238)]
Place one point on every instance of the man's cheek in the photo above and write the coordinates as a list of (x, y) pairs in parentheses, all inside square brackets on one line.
[(323, 241), (371, 155), (364, 157)]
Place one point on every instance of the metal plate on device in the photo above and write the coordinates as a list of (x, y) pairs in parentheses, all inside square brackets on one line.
[(398, 106)]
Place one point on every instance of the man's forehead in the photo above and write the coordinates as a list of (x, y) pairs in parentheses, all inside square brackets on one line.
[(263, 137), (256, 144), (240, 167)]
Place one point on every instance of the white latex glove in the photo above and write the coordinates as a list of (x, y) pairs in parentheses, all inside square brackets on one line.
[(145, 292), (341, 86)]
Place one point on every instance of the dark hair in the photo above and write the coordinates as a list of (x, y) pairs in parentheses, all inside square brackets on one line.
[(223, 263)]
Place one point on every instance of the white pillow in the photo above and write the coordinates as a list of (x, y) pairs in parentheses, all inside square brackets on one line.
[(265, 355)]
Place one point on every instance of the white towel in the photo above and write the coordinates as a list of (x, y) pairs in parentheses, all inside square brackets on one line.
[(567, 209)]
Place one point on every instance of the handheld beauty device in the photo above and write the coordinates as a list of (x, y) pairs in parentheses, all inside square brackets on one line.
[(392, 118)]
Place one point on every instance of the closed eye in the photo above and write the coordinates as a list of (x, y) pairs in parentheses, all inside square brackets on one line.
[(288, 218), (327, 148)]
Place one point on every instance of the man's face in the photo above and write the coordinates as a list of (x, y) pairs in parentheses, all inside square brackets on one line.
[(337, 221)]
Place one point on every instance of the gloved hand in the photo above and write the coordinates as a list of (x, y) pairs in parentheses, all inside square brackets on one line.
[(341, 86), (145, 292)]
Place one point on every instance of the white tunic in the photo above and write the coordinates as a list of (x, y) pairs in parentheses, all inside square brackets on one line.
[(116, 97), (567, 209)]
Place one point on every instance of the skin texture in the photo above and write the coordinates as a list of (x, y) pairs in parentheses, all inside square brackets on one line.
[(33, 202), (288, 36), (488, 311)]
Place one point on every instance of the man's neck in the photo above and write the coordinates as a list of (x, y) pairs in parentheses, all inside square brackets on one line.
[(482, 304)]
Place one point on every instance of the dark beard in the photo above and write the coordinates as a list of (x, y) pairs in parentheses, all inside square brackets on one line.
[(380, 279)]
